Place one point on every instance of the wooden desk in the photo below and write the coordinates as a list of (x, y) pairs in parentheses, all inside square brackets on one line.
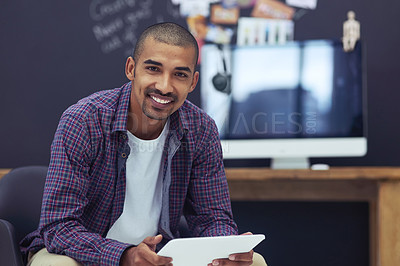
[(380, 186)]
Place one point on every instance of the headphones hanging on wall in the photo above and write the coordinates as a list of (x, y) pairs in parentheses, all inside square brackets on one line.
[(222, 81)]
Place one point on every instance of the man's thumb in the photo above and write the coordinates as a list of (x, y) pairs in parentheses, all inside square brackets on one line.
[(153, 240)]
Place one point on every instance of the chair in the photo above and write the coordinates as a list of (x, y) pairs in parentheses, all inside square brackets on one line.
[(21, 192)]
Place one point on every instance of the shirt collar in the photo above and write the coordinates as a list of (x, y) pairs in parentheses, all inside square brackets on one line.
[(121, 114), (180, 122)]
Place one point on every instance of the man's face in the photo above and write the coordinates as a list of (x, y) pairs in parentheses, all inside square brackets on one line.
[(161, 79)]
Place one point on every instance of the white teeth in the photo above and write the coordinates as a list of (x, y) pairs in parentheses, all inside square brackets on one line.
[(160, 100)]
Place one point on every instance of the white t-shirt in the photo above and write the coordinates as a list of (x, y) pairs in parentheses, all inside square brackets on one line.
[(143, 196)]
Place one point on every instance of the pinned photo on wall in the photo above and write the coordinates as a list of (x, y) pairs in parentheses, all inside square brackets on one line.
[(307, 4), (178, 2), (272, 9), (194, 7), (198, 27), (218, 34), (222, 15), (260, 31)]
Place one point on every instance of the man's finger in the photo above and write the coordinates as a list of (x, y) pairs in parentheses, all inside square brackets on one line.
[(144, 252), (159, 260), (152, 241), (235, 259), (221, 262), (248, 256)]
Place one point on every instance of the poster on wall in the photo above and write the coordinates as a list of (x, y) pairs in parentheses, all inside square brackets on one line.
[(272, 9), (307, 4), (222, 15)]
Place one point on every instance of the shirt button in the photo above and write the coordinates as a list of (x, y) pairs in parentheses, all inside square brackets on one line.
[(124, 136), (123, 155)]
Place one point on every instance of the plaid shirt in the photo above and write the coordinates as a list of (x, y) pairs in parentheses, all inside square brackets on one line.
[(85, 185)]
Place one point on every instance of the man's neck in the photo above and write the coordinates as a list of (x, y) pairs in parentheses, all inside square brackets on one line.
[(146, 128)]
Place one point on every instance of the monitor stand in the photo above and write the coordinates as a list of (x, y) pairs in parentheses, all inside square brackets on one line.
[(290, 163)]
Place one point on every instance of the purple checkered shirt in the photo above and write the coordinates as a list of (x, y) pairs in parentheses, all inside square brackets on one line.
[(85, 185)]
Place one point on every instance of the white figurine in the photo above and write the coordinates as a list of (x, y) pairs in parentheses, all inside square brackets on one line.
[(351, 32)]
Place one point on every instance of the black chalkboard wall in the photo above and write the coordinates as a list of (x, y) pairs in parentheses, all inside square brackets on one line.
[(52, 53)]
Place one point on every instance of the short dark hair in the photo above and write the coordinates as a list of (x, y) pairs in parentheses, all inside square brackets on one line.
[(169, 33)]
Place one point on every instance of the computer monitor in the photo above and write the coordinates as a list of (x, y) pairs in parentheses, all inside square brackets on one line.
[(286, 102)]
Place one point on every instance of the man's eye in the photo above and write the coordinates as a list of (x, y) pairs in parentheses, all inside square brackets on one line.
[(181, 75), (152, 68)]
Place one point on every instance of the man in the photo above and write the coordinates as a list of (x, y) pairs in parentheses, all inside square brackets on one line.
[(127, 163)]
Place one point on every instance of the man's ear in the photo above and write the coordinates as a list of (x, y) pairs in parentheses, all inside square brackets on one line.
[(195, 80), (130, 68)]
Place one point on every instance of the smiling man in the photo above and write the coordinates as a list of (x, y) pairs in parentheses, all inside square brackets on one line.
[(127, 163)]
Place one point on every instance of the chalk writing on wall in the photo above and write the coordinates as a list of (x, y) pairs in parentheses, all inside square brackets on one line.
[(118, 23)]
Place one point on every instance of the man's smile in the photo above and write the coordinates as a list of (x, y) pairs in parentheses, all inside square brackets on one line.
[(159, 100)]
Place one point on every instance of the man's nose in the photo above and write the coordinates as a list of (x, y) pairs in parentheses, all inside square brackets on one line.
[(164, 84)]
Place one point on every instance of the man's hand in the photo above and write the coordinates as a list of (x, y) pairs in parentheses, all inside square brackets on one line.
[(236, 259), (144, 254)]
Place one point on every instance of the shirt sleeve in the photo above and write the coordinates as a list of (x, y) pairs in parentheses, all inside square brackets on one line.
[(64, 200), (208, 203)]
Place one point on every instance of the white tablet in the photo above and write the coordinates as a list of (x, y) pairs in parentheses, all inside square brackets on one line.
[(199, 251)]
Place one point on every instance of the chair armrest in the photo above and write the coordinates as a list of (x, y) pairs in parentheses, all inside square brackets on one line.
[(10, 253)]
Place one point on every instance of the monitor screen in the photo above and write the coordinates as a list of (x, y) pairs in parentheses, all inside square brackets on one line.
[(309, 91)]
